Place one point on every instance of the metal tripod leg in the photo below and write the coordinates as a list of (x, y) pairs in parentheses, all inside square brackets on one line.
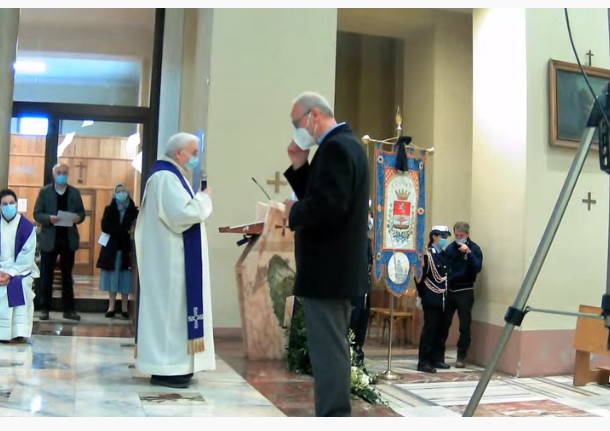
[(606, 297), (537, 262)]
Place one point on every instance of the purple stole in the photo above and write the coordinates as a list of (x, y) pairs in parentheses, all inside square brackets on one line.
[(193, 269), (15, 286)]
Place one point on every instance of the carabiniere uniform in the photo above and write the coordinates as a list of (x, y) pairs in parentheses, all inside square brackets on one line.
[(432, 291)]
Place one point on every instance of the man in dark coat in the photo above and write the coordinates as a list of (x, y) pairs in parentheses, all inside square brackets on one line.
[(58, 240), (330, 221), (465, 260)]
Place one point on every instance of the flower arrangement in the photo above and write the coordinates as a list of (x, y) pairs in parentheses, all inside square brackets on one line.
[(298, 360)]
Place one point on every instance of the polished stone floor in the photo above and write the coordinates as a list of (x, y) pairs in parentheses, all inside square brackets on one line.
[(94, 376), (86, 369)]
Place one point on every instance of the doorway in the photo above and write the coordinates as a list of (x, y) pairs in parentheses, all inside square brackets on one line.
[(102, 151), (90, 101)]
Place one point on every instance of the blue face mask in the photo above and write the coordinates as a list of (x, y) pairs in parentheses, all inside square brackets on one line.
[(121, 196), (443, 243), (192, 163), (9, 211), (61, 180)]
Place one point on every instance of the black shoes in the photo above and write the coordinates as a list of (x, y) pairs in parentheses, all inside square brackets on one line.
[(111, 314), (72, 315), (172, 381), (426, 368), (442, 365)]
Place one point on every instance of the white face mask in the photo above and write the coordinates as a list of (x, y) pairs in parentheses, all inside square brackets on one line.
[(303, 139)]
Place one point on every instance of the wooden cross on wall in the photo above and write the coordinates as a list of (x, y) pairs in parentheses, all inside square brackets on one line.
[(80, 167), (589, 54), (589, 201), (277, 183)]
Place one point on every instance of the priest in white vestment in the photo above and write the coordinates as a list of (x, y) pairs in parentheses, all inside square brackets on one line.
[(174, 328), (17, 270)]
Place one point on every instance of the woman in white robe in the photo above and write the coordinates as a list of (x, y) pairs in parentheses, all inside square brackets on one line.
[(15, 322), (167, 211)]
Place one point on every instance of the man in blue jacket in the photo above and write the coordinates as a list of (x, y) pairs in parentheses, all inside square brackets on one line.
[(465, 260)]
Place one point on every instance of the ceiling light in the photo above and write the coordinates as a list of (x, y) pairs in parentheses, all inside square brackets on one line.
[(30, 67)]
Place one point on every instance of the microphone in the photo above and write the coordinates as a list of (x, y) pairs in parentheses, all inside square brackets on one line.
[(261, 187)]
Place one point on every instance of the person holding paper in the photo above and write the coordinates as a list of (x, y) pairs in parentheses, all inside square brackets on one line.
[(115, 256), (174, 333), (17, 270), (57, 239)]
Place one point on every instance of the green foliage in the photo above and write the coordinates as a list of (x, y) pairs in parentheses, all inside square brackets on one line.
[(298, 352), (298, 361), (281, 281)]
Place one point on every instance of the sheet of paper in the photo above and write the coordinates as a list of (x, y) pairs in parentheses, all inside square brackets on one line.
[(66, 218), (104, 238), (22, 205)]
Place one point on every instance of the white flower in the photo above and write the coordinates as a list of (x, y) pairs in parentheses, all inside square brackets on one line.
[(365, 379)]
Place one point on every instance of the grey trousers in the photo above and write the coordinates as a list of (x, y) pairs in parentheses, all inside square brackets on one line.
[(327, 323)]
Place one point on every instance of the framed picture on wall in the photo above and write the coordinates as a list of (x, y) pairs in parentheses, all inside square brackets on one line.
[(570, 101)]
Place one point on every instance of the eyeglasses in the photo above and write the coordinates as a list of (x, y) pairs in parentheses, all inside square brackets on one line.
[(295, 123)]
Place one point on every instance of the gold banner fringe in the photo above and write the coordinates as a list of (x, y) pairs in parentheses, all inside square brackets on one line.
[(196, 346)]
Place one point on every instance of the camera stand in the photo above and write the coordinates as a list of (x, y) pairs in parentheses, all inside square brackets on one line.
[(516, 313)]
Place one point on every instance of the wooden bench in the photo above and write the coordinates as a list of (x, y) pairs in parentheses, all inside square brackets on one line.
[(591, 337)]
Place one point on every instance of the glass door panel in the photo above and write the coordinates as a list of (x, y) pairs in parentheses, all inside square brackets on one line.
[(27, 160), (100, 155)]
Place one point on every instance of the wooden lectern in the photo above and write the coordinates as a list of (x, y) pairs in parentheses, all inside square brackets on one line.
[(265, 276)]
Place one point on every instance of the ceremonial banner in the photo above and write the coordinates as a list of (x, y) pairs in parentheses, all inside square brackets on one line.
[(399, 215)]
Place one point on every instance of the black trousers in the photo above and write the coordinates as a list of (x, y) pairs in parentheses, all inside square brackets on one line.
[(327, 322), (359, 320), (431, 342), (461, 302), (66, 264)]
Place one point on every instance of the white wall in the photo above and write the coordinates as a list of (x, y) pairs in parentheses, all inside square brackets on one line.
[(438, 112), (452, 116), (259, 61), (499, 154), (575, 269)]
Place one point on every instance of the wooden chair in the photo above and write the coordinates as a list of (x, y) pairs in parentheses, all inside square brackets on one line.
[(404, 314), (591, 337)]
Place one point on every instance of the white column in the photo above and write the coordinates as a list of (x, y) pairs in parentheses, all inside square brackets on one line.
[(9, 24), (171, 77)]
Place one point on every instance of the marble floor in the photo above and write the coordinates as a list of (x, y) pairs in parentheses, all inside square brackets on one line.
[(85, 286), (446, 393), (94, 376), (86, 369)]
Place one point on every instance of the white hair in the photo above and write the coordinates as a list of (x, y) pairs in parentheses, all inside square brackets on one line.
[(178, 142), (310, 100), (60, 165)]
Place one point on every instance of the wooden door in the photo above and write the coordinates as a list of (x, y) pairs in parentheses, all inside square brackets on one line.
[(84, 264)]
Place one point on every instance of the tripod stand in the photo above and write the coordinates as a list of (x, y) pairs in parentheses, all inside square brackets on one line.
[(516, 313)]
